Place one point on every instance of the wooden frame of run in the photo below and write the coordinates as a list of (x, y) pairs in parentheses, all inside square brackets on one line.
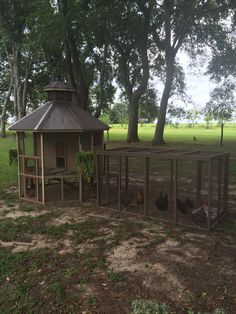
[(174, 156)]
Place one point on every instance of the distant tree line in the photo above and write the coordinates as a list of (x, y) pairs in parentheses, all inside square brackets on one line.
[(101, 47)]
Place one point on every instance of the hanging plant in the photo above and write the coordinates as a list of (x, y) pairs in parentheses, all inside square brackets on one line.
[(84, 163)]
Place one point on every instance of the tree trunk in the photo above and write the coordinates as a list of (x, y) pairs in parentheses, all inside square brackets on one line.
[(132, 136), (102, 83), (4, 111), (25, 85), (158, 138), (73, 57)]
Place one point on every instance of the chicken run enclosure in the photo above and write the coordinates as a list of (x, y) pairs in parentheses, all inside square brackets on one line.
[(183, 187)]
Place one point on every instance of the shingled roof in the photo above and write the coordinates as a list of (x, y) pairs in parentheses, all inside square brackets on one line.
[(58, 86), (60, 116)]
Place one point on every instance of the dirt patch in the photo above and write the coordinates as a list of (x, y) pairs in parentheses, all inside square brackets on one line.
[(126, 258), (40, 242), (116, 259), (17, 213)]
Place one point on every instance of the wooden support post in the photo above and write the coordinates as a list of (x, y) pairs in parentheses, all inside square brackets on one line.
[(37, 188), (98, 179), (62, 189), (119, 182), (171, 181), (146, 185), (226, 183), (107, 174), (42, 166), (18, 164), (80, 176), (219, 185), (199, 182), (209, 193), (175, 175), (126, 175), (80, 188)]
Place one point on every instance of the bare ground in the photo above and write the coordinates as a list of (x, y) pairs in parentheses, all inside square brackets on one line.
[(138, 259)]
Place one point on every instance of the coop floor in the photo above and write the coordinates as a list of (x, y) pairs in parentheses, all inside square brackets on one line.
[(78, 259)]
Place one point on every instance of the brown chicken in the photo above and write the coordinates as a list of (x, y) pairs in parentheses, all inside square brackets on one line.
[(139, 199)]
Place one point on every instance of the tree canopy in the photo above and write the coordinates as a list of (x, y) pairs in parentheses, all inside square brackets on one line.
[(102, 47)]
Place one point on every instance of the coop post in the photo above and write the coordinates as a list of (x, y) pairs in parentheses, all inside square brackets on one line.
[(24, 177), (62, 189), (175, 173), (199, 182), (219, 185), (80, 176), (18, 163), (107, 179), (119, 182), (171, 181), (209, 193), (37, 179), (226, 182), (126, 174), (146, 184), (98, 180), (42, 166)]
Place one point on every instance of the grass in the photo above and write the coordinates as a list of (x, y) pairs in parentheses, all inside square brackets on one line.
[(183, 133), (115, 277), (11, 230), (8, 174)]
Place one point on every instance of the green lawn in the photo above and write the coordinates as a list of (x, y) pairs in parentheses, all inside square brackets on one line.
[(181, 134), (8, 175)]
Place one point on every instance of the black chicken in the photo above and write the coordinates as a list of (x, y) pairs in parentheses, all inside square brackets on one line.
[(181, 206), (184, 207), (162, 201)]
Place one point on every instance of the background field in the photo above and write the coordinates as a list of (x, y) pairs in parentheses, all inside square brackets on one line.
[(183, 134)]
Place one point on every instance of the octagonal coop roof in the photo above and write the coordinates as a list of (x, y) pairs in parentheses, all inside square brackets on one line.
[(59, 116)]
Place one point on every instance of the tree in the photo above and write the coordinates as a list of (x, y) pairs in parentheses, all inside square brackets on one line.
[(222, 102), (192, 115), (181, 22), (119, 113), (22, 46), (177, 113), (6, 99), (129, 27), (148, 106), (74, 64)]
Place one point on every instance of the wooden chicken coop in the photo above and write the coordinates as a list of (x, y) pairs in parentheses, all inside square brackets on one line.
[(184, 187), (48, 140)]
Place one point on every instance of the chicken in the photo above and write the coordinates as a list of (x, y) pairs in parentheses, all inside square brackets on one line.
[(189, 204), (184, 207), (139, 199), (162, 201)]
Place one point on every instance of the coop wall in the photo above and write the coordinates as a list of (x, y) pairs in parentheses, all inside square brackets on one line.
[(53, 182), (71, 141)]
